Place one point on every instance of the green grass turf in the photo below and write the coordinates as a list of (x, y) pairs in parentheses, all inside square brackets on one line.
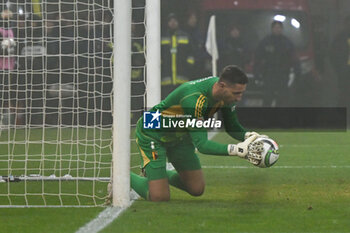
[(301, 193), (290, 199)]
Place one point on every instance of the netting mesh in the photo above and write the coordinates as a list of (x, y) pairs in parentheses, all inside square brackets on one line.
[(56, 98)]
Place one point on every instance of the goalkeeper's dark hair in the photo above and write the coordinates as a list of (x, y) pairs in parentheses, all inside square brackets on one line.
[(233, 75)]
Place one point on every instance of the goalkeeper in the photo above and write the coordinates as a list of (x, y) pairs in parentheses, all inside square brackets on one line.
[(199, 99)]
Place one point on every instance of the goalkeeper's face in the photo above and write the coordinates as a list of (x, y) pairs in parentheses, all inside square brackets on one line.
[(233, 93)]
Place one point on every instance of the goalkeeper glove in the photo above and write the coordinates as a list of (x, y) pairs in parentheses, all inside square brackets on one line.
[(241, 149), (248, 134), (255, 150)]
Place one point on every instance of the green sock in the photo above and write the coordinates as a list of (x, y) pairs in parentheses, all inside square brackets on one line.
[(175, 180), (139, 184)]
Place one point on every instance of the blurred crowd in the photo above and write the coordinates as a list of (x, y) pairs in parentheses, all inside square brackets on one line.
[(274, 64), (184, 57)]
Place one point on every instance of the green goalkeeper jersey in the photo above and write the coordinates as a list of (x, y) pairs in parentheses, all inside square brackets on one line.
[(193, 99)]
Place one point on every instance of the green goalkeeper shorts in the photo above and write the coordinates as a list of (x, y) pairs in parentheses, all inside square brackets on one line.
[(154, 154)]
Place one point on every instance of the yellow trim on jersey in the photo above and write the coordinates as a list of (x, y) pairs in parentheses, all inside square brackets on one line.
[(146, 160), (199, 106), (173, 110), (197, 103), (200, 111)]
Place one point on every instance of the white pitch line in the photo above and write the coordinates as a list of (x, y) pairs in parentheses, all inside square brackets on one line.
[(105, 217), (275, 167), (102, 220)]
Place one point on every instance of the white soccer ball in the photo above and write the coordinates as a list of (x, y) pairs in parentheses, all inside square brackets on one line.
[(270, 154)]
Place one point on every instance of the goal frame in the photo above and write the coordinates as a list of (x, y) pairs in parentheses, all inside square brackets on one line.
[(121, 102)]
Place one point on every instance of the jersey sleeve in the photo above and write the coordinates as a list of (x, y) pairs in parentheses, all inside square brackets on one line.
[(194, 106), (232, 125)]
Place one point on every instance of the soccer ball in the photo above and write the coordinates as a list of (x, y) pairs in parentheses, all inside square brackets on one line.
[(270, 154)]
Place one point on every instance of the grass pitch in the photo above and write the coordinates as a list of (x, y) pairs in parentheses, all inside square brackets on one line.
[(307, 190), (53, 152)]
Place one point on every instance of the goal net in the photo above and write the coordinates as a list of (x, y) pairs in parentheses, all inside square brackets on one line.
[(56, 107)]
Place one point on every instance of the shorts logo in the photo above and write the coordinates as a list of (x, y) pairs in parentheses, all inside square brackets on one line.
[(151, 120)]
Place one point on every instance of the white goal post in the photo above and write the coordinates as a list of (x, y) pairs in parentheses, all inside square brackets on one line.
[(67, 106), (153, 35), (121, 123), (122, 95)]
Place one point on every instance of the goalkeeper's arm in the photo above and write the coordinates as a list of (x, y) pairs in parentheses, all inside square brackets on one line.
[(200, 136), (232, 125), (206, 146)]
